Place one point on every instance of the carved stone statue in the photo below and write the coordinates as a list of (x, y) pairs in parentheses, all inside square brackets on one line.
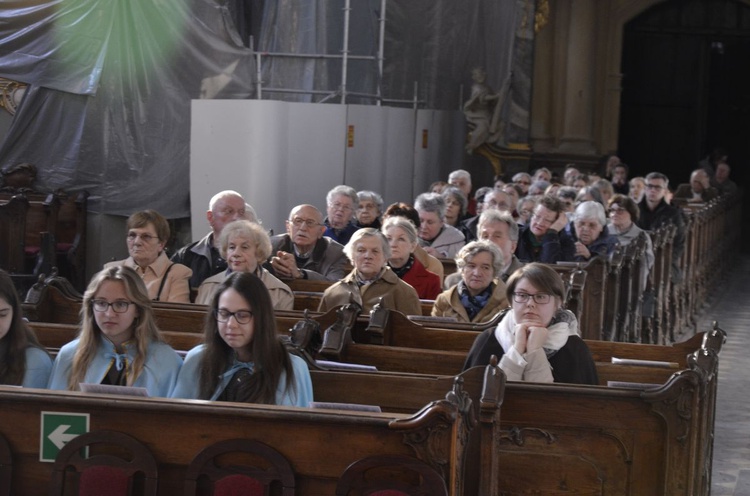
[(482, 110)]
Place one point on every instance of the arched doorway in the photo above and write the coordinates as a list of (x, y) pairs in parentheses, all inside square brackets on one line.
[(686, 86)]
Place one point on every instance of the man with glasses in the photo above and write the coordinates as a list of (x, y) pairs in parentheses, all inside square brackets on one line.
[(303, 252), (543, 238), (493, 200), (203, 256), (341, 203), (655, 212)]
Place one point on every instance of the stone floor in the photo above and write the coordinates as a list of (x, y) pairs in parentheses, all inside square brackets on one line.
[(730, 306)]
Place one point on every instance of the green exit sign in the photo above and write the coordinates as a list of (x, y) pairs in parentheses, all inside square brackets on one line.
[(57, 428)]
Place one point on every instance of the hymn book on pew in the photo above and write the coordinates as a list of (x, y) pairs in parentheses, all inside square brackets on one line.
[(109, 389), (354, 407), (346, 366), (645, 363)]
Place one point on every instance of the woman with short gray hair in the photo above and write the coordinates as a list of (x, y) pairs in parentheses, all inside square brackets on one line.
[(590, 232), (437, 238), (402, 238), (371, 280), (455, 205), (480, 294), (369, 209)]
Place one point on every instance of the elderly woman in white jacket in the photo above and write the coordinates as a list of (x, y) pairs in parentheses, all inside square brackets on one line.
[(246, 245)]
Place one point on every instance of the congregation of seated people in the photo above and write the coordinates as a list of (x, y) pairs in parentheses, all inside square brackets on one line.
[(500, 239)]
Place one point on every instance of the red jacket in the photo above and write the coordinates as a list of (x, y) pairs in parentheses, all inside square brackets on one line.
[(425, 282)]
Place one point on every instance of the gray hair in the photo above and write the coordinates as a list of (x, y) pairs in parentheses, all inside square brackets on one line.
[(403, 223), (520, 175), (480, 192), (493, 215), (590, 210), (459, 174), (538, 187), (366, 195), (360, 234), (248, 230), (342, 189), (457, 194), (604, 186), (590, 190), (431, 202), (658, 175), (222, 194), (471, 250), (540, 170)]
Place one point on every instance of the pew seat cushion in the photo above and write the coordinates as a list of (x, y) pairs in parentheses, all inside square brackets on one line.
[(238, 485), (101, 479)]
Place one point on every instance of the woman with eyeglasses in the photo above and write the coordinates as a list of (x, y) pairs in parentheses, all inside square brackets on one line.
[(590, 232), (23, 361), (148, 233), (242, 358), (245, 245), (119, 343), (537, 340), (623, 212)]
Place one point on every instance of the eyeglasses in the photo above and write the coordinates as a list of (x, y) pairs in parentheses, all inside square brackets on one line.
[(615, 210), (297, 222), (340, 206), (119, 306), (145, 237), (241, 316), (539, 298), (654, 186)]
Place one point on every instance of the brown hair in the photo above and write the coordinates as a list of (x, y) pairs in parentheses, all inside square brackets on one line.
[(145, 217), (541, 276), (627, 203), (266, 350), (17, 339)]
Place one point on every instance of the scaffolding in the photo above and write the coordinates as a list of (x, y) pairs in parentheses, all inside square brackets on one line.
[(342, 92)]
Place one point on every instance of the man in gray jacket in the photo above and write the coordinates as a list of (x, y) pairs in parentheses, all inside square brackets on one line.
[(303, 252)]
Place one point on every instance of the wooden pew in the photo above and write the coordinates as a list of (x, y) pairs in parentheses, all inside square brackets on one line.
[(398, 331), (589, 439), (13, 218), (437, 431), (438, 362)]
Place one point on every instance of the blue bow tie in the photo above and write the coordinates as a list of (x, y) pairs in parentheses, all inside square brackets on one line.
[(238, 366), (121, 359)]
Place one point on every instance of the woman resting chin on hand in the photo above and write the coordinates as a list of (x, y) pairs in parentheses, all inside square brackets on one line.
[(537, 340)]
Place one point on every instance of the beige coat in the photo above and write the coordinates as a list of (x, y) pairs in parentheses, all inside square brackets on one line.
[(448, 304), (397, 295), (282, 295), (176, 288)]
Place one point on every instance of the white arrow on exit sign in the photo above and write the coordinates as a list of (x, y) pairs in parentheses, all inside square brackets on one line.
[(60, 437)]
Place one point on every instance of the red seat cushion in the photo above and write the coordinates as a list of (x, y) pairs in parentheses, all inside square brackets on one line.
[(101, 479), (238, 485)]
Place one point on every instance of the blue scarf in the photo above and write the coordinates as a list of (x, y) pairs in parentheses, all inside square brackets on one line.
[(474, 304)]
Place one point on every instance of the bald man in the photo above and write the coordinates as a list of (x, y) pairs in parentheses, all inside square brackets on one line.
[(203, 256), (303, 252), (699, 189)]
